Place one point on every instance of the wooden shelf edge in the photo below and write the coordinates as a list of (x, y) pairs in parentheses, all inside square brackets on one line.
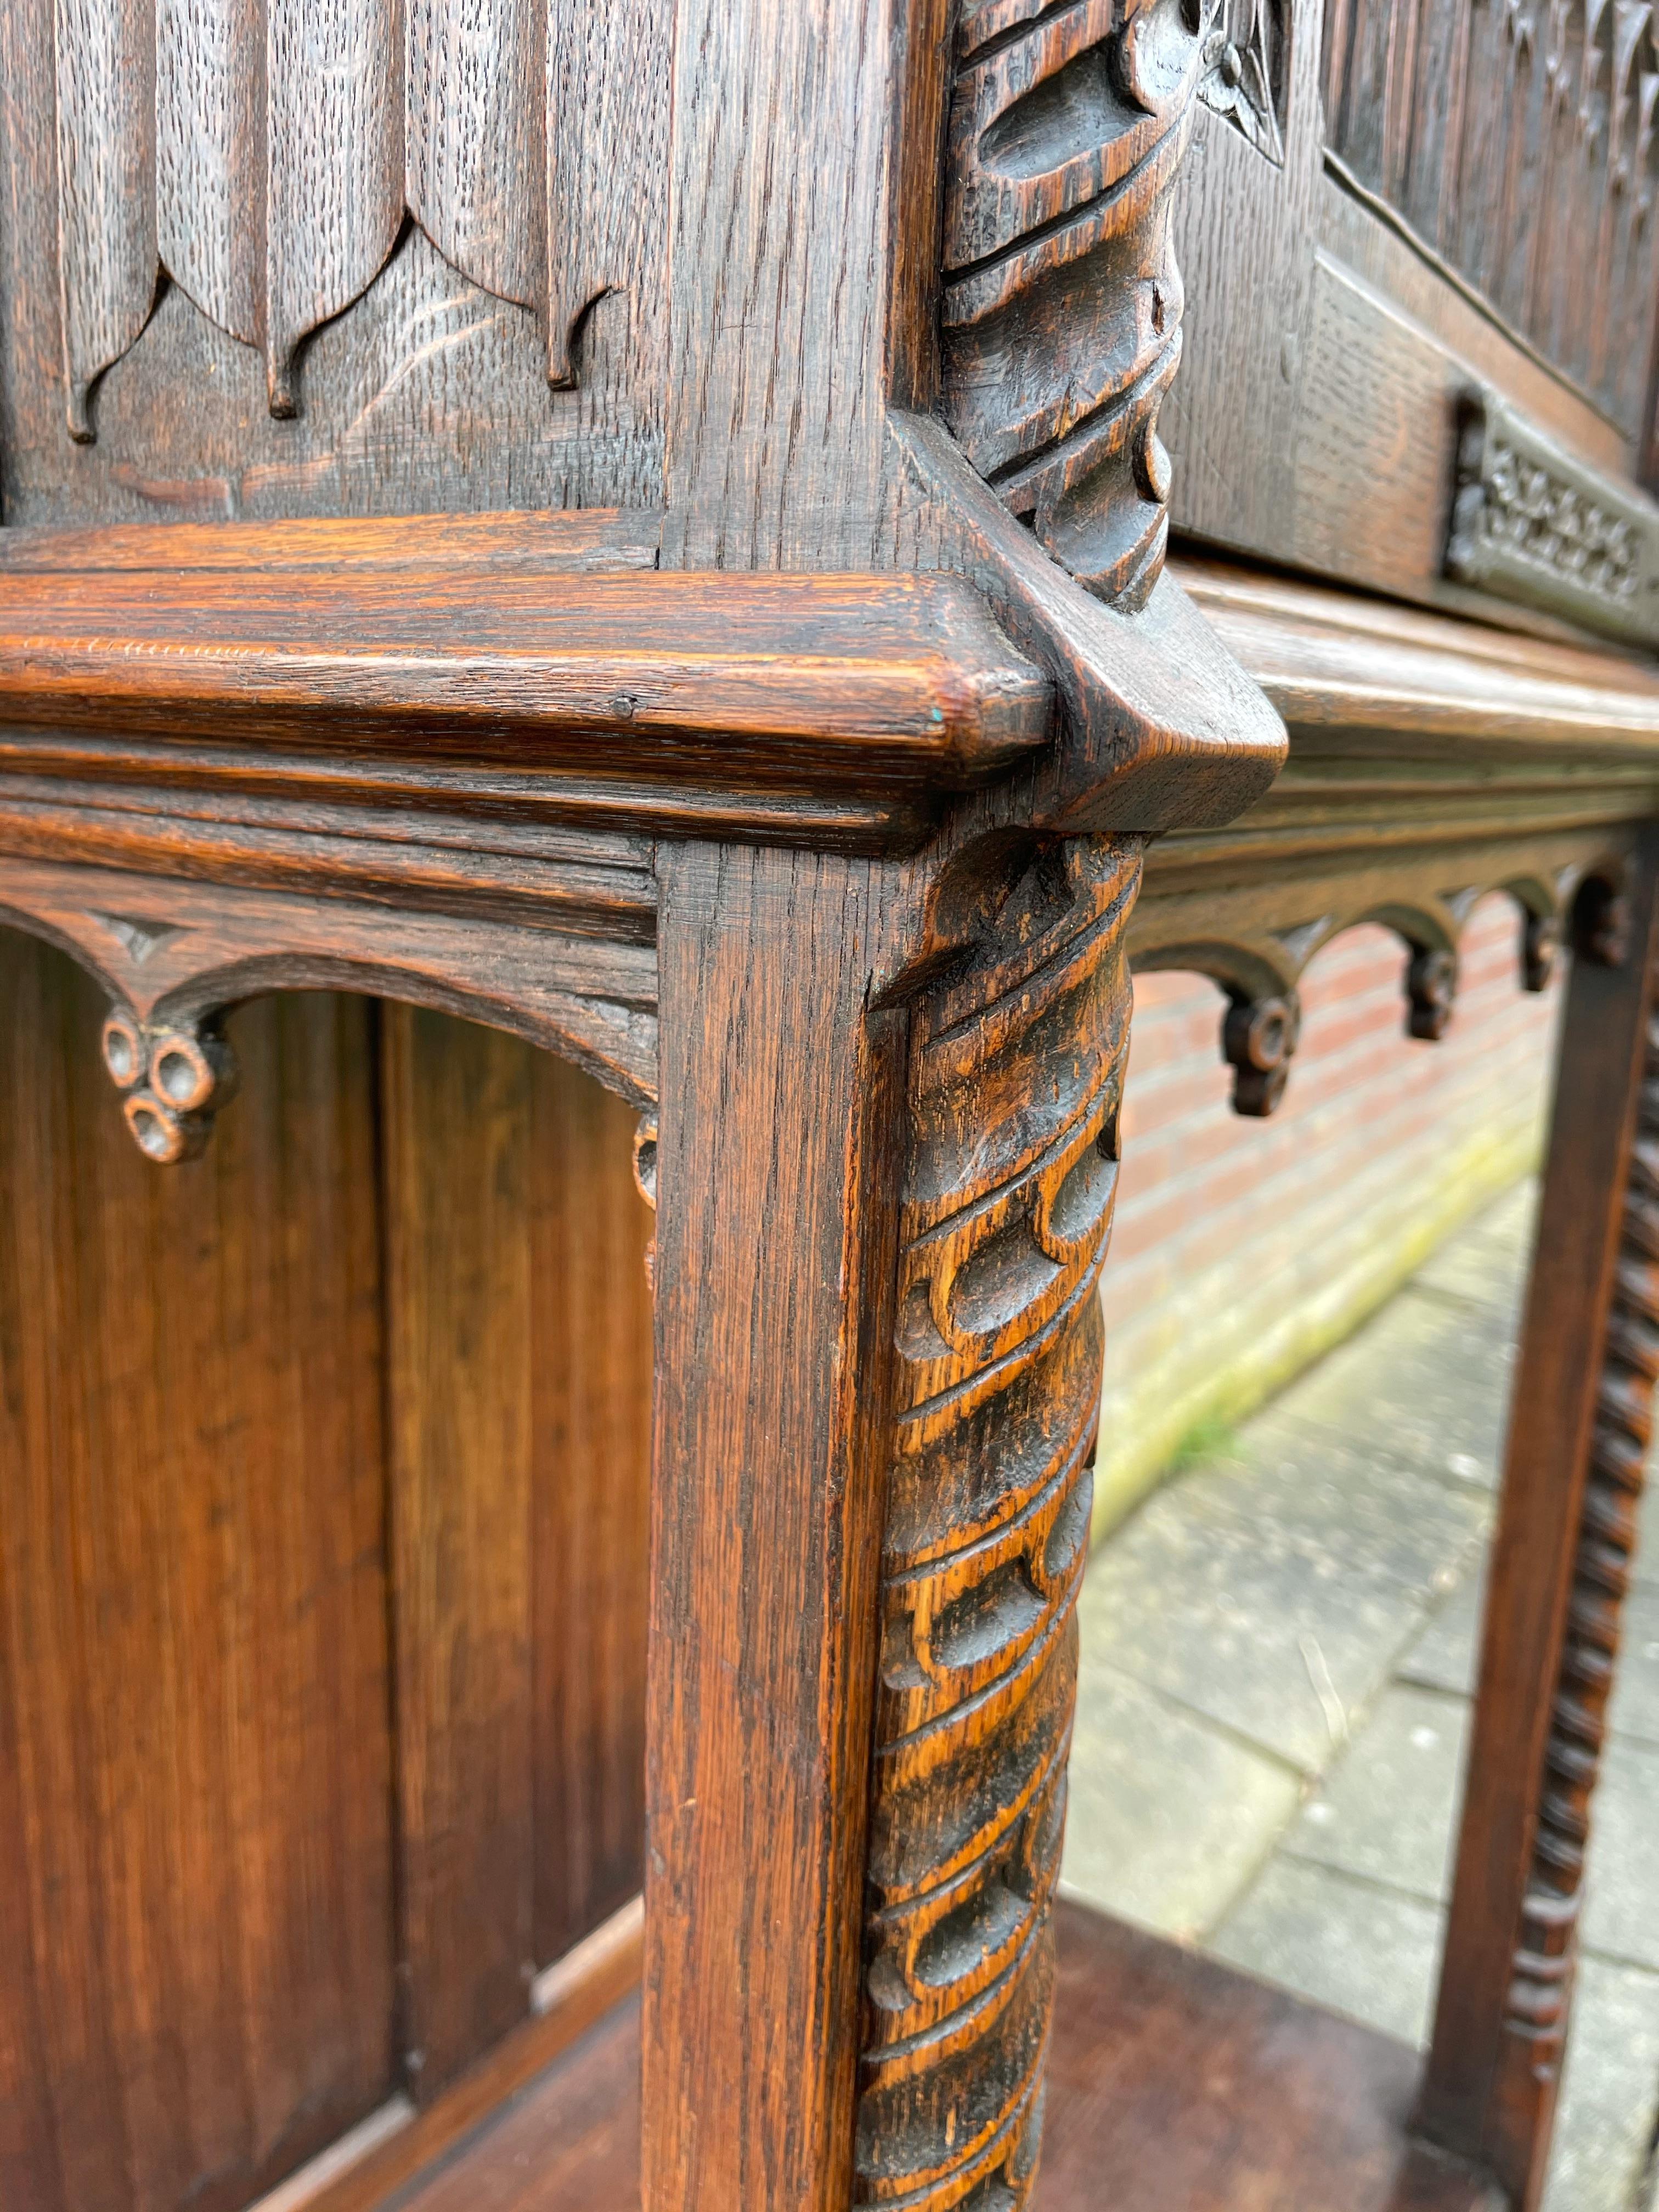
[(551, 644), (1341, 665), (569, 1997)]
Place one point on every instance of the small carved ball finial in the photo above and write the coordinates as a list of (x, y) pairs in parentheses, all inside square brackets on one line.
[(174, 1080), (1258, 1037), (1431, 987), (645, 1181), (1541, 949)]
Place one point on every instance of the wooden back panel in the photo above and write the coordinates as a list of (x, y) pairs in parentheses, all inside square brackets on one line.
[(194, 1835), (323, 1486)]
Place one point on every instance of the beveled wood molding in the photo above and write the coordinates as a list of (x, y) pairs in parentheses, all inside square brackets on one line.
[(1336, 663), (1161, 725), (814, 682)]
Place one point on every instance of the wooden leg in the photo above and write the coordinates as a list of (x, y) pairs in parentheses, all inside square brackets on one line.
[(881, 1221), (778, 1157), (1578, 1435)]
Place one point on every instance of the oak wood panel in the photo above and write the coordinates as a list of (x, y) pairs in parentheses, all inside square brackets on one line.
[(590, 1326), (194, 1674), (235, 176), (1525, 157), (455, 1109), (520, 1396)]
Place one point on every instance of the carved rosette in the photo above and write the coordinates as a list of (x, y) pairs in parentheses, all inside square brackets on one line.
[(1016, 1077), (1061, 308), (173, 1080), (1540, 1989)]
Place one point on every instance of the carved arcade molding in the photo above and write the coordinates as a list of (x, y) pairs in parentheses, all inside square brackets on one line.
[(1016, 1077)]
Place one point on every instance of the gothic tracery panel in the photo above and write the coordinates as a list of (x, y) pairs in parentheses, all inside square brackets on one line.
[(1515, 138), (264, 156)]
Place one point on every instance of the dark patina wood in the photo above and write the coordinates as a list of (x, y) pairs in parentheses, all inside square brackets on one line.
[(806, 760)]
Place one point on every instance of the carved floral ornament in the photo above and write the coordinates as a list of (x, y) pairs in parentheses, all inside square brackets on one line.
[(1247, 64), (264, 156)]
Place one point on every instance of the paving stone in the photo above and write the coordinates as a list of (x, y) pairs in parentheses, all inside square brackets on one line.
[(1345, 1499), (1169, 1818), (1620, 1919), (1446, 1654), (1345, 1944), (1647, 1534), (1273, 1638), (1636, 1687), (1487, 1262), (1386, 1811), (1608, 2090), (1426, 1380), (1443, 1657)]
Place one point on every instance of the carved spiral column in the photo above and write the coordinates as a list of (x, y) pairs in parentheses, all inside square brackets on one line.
[(1541, 1987), (1016, 1076)]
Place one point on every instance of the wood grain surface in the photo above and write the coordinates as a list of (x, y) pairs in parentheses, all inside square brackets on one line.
[(776, 1257), (197, 1848), (520, 1346), (827, 678)]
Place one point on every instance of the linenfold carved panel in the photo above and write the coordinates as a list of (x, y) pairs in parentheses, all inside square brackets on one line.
[(1016, 1077), (263, 155), (1516, 138), (1061, 306)]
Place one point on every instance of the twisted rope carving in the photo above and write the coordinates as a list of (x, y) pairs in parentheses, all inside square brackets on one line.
[(1541, 1985), (1016, 1077)]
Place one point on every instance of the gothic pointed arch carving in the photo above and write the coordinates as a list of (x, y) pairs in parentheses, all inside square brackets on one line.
[(175, 958), (265, 156)]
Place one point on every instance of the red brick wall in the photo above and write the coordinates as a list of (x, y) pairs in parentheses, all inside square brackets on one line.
[(1248, 1246)]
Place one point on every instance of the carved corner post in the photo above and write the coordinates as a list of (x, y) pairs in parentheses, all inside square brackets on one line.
[(882, 1216), (1579, 1429)]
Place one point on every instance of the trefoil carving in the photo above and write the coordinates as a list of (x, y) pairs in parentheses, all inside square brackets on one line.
[(173, 1080)]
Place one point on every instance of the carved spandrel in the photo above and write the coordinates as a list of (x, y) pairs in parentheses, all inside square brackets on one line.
[(263, 156), (1017, 1074)]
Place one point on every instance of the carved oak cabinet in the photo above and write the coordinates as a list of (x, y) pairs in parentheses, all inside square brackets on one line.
[(588, 613)]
